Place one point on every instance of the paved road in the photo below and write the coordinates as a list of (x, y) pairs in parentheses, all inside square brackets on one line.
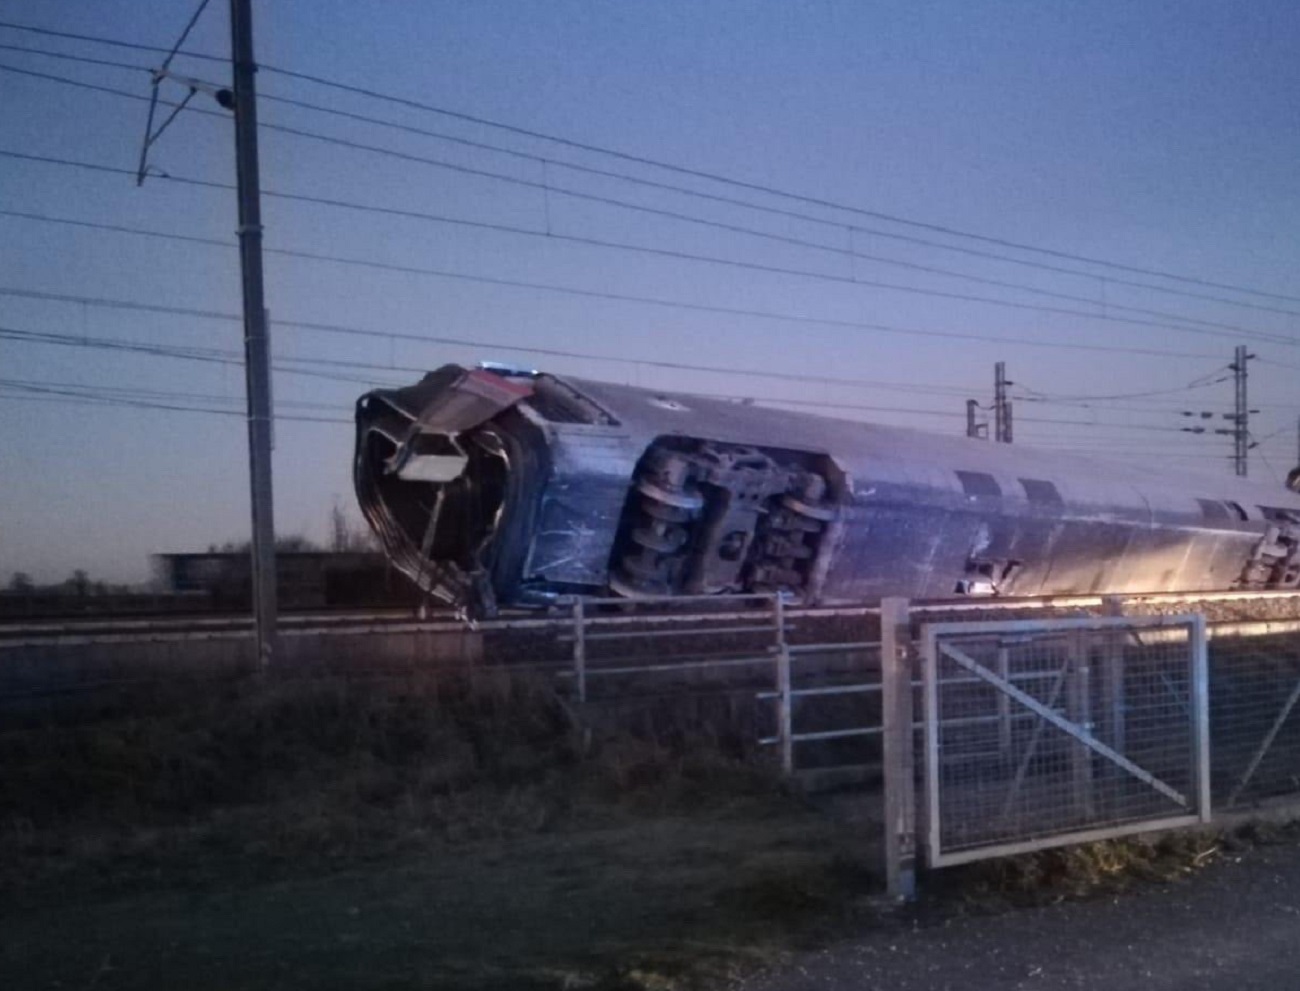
[(1233, 927)]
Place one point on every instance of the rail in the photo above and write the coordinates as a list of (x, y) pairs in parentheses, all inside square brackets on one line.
[(16, 633)]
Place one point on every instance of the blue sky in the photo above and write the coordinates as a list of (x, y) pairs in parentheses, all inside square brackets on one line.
[(1159, 135)]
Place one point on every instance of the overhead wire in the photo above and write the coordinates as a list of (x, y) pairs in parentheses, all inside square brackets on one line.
[(480, 343), (219, 356), (76, 397), (849, 253), (636, 180), (207, 355), (110, 42), (1214, 328), (1072, 345), (72, 397), (140, 392), (679, 169), (668, 253), (1201, 382), (753, 186), (81, 59), (189, 26)]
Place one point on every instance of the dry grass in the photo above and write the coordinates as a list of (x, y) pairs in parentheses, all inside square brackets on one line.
[(1080, 871), (456, 828), (296, 770)]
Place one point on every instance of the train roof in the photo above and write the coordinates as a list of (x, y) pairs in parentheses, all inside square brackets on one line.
[(904, 453)]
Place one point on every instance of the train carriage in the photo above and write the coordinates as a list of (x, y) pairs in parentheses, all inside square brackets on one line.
[(493, 486)]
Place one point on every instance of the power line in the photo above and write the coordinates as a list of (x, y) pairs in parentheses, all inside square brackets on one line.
[(759, 187), (621, 297), (1202, 382), (130, 305), (756, 187), (102, 302), (82, 59), (212, 355), (636, 180), (189, 26), (70, 401), (207, 355), (139, 392), (547, 188), (74, 397), (770, 236), (145, 399), (683, 170), (668, 253), (111, 42), (823, 404), (1105, 454), (227, 357)]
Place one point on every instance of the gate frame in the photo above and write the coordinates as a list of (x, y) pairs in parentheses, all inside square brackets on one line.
[(931, 633)]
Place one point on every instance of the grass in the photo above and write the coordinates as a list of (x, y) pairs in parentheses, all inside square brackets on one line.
[(1081, 871), (416, 831)]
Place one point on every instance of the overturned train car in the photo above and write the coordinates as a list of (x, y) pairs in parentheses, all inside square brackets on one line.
[(493, 487)]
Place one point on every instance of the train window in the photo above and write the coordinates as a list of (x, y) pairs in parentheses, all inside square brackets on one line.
[(1212, 509), (1037, 490), (560, 403), (978, 483), (1236, 508), (1276, 515)]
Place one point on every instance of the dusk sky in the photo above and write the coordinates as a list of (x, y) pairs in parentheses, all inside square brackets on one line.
[(1157, 135)]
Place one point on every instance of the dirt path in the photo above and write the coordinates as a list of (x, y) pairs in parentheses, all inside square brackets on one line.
[(1234, 927)]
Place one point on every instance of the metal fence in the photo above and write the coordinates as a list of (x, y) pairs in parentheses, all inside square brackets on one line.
[(618, 645), (816, 691), (818, 704), (1254, 718), (1043, 733)]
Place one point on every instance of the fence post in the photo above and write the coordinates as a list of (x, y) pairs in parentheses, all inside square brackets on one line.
[(580, 649), (785, 704), (1079, 706), (1200, 683), (1113, 677), (898, 749), (1004, 706)]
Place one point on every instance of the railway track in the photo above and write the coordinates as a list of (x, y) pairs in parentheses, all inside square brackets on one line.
[(1262, 606)]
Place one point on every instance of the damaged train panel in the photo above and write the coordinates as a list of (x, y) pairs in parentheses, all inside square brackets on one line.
[(496, 486)]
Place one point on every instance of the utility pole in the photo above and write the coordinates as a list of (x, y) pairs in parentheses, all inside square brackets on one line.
[(974, 428), (1239, 417), (1293, 476), (257, 350), (1001, 405), (1241, 414)]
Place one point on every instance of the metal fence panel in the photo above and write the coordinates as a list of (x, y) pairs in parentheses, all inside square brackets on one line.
[(1255, 718), (1043, 733)]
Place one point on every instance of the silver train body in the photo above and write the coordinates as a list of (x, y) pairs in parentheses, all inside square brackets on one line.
[(493, 487)]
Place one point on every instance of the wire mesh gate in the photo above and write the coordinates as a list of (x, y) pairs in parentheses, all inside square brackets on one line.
[(1044, 733)]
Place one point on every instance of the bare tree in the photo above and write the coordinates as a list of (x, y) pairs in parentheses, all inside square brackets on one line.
[(345, 535)]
